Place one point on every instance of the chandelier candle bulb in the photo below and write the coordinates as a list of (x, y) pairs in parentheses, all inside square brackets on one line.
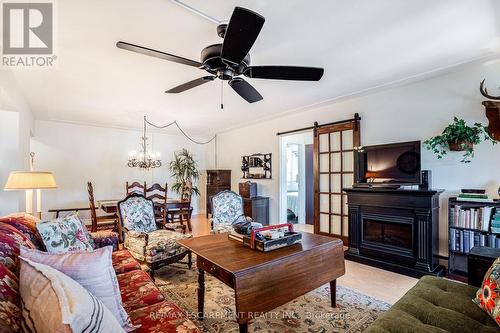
[(145, 159)]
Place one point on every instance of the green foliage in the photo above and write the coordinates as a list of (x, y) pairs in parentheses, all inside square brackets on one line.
[(459, 133), (184, 170)]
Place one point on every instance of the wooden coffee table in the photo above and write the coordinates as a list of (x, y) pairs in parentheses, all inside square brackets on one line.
[(264, 281)]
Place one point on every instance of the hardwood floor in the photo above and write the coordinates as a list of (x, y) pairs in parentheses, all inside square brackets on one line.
[(383, 285)]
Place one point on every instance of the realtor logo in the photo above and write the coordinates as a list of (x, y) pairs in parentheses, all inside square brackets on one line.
[(27, 29)]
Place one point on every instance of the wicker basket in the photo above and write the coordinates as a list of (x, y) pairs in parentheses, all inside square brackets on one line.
[(460, 146)]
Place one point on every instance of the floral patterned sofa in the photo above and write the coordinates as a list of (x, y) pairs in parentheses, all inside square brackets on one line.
[(141, 298)]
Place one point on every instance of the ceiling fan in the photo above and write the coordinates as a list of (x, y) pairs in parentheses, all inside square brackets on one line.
[(229, 60)]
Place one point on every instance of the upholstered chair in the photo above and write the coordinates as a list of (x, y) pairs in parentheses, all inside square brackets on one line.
[(148, 244), (227, 207)]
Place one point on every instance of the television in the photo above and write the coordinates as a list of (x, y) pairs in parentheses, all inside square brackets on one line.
[(396, 164)]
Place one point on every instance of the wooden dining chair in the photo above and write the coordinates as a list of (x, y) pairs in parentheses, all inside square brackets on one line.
[(158, 195), (135, 187), (101, 222), (183, 212)]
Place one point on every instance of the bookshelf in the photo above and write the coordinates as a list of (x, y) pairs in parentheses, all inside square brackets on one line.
[(468, 227)]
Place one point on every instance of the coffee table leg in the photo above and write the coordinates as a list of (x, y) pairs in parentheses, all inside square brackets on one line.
[(201, 293), (333, 293), (243, 327)]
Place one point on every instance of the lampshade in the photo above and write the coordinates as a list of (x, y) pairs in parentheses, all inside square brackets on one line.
[(26, 180)]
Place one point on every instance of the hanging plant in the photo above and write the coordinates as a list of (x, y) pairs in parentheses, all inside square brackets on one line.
[(458, 136)]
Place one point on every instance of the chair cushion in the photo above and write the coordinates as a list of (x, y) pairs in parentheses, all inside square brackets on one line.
[(222, 228), (123, 262), (100, 280), (53, 302), (10, 241), (26, 224), (137, 214), (435, 305), (488, 296), (163, 317), (65, 234), (10, 301), (161, 244), (138, 290)]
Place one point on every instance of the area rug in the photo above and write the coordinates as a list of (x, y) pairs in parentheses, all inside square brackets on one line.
[(310, 313)]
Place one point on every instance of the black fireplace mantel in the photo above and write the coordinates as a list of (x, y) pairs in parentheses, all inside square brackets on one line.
[(394, 229)]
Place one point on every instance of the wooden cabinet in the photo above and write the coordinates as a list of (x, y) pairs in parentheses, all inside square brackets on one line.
[(257, 208), (217, 181)]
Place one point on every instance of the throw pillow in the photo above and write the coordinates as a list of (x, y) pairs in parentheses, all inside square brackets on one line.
[(65, 234), (93, 271), (487, 297), (54, 302), (10, 241), (10, 303), (25, 223)]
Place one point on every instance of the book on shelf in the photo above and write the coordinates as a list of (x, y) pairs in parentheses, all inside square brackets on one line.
[(473, 196), (475, 199), (464, 240), (471, 218)]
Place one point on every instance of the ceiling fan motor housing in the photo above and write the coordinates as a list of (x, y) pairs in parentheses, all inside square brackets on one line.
[(212, 62), (221, 30)]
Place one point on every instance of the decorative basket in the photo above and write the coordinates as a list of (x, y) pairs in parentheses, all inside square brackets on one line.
[(290, 239), (460, 146)]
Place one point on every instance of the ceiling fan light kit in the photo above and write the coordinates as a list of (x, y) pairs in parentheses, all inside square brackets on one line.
[(230, 60)]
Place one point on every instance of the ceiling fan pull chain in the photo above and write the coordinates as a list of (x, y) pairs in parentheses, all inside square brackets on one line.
[(221, 94)]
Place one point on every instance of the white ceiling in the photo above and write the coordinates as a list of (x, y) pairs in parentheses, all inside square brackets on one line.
[(361, 44)]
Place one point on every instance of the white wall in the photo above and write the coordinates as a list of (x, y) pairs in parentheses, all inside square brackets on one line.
[(77, 154), (16, 123), (416, 111), (9, 147)]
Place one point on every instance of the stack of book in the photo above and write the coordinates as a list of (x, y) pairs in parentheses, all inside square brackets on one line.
[(235, 236), (464, 240), (471, 218), (495, 223), (475, 197)]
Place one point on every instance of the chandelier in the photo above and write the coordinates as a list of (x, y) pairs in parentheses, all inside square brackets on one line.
[(144, 159)]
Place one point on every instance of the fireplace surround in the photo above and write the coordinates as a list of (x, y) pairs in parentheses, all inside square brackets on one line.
[(394, 229)]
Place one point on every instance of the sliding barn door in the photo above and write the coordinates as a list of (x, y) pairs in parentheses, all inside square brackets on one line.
[(334, 170)]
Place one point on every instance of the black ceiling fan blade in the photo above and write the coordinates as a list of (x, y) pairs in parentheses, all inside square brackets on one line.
[(242, 31), (245, 90), (285, 73), (190, 84), (157, 54)]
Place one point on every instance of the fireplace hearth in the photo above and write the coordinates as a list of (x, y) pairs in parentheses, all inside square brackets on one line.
[(395, 230)]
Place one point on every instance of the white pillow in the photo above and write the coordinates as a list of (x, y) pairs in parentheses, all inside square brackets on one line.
[(93, 271), (54, 303)]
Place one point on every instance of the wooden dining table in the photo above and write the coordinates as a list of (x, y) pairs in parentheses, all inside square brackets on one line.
[(111, 207)]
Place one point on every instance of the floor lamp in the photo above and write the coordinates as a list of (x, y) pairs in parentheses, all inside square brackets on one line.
[(29, 181)]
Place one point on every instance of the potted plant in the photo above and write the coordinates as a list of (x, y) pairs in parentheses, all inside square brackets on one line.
[(184, 170), (458, 136)]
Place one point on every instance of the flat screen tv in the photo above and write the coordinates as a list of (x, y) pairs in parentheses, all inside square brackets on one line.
[(390, 164)]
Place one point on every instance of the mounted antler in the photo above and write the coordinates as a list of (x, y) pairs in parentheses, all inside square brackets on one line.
[(484, 92)]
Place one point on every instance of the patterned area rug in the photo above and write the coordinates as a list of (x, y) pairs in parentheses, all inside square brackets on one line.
[(310, 313)]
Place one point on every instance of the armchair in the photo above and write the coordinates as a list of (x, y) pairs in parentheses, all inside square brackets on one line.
[(149, 245), (227, 208)]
